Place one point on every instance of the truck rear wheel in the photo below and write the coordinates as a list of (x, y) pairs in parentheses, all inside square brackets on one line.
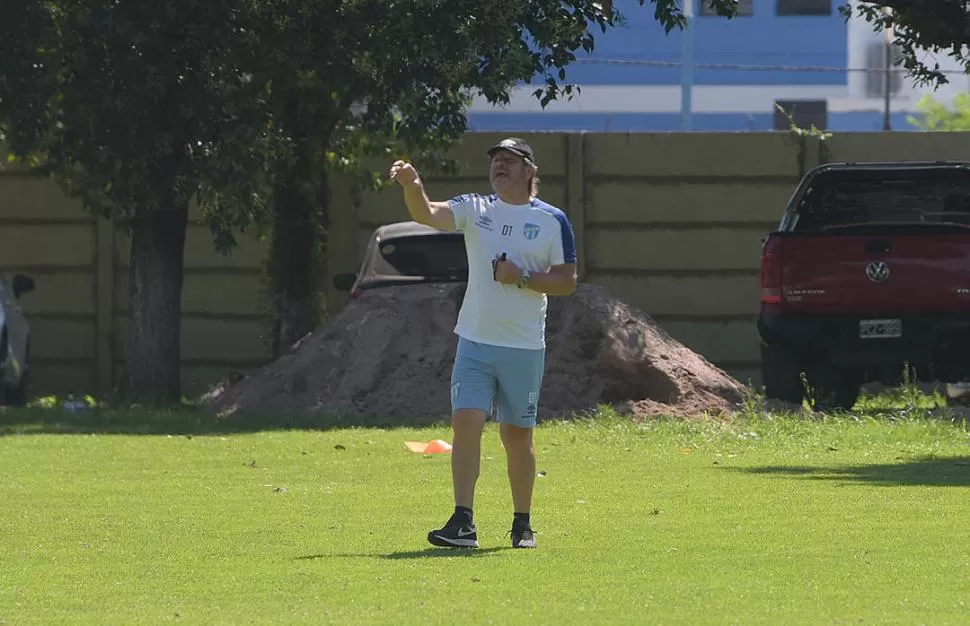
[(833, 389), (781, 375), (826, 388)]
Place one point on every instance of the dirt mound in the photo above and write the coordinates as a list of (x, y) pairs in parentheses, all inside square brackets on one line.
[(389, 355)]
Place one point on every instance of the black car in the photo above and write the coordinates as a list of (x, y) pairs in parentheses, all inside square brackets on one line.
[(408, 253)]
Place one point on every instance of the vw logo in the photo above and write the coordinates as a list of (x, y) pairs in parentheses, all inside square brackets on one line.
[(877, 271)]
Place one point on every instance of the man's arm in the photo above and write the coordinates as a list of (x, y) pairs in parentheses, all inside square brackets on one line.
[(435, 214), (560, 280)]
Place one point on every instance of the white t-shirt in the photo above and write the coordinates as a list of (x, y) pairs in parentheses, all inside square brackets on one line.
[(534, 236)]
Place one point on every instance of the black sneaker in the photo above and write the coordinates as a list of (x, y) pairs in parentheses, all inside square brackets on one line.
[(455, 534), (522, 536)]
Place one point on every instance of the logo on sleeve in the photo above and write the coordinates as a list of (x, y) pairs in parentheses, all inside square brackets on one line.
[(531, 231)]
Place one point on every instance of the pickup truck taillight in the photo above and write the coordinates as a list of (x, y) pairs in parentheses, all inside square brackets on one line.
[(771, 270)]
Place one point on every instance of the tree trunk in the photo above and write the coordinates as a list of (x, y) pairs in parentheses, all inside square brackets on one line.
[(343, 231), (297, 259), (155, 306)]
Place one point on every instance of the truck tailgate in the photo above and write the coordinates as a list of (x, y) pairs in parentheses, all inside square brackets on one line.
[(876, 273)]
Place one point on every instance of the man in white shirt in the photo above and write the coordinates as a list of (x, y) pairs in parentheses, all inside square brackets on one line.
[(520, 249)]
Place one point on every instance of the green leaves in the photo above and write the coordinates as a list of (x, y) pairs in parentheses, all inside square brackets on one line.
[(940, 27), (933, 115), (25, 29), (137, 107)]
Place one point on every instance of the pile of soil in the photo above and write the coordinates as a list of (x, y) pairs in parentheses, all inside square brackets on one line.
[(389, 355)]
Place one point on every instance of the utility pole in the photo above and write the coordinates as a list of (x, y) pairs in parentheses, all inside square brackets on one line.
[(887, 123), (687, 65)]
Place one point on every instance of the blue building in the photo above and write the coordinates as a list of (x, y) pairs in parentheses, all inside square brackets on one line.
[(792, 52)]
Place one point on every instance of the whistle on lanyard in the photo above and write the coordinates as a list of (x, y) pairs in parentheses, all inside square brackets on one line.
[(495, 263)]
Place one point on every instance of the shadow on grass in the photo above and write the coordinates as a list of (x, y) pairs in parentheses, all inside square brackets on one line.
[(430, 553), (184, 421), (929, 472)]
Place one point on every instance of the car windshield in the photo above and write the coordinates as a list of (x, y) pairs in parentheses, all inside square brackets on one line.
[(850, 198), (434, 257)]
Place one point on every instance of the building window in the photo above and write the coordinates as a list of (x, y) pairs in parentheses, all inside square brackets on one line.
[(876, 70), (805, 113), (804, 7), (745, 8)]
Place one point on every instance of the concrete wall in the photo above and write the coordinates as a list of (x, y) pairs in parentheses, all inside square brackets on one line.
[(668, 222), (78, 314)]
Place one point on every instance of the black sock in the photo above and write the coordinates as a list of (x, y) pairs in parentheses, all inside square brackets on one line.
[(464, 511), (521, 519)]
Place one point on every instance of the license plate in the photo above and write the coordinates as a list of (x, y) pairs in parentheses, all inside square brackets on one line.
[(880, 329)]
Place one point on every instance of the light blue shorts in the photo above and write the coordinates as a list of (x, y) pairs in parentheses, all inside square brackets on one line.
[(503, 382)]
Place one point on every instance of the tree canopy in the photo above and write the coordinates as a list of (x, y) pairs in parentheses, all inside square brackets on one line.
[(937, 27), (934, 115), (136, 108)]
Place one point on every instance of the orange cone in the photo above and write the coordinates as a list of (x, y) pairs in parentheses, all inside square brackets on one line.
[(437, 446)]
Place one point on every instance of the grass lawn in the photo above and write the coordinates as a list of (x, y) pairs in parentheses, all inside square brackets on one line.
[(761, 520)]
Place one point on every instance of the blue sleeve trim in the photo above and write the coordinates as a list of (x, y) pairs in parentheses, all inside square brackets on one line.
[(566, 228), (461, 206), (460, 199)]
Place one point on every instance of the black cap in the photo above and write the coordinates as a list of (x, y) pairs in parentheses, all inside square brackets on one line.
[(516, 145)]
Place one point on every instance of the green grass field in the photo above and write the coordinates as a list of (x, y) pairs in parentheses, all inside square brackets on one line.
[(177, 518)]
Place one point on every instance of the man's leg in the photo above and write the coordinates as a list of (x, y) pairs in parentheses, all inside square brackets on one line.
[(520, 379), (472, 395), (521, 457), (466, 454)]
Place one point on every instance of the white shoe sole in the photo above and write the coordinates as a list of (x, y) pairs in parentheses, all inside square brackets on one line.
[(457, 543)]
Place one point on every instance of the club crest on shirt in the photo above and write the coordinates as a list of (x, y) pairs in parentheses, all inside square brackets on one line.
[(531, 231)]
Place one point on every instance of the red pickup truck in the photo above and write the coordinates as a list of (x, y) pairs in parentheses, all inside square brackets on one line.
[(867, 276)]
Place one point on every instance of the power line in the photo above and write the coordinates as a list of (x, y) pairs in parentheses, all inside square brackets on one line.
[(744, 67)]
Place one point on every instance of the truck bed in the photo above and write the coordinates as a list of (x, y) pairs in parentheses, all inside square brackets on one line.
[(899, 269)]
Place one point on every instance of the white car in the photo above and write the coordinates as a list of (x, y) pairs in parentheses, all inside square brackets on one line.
[(14, 341)]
